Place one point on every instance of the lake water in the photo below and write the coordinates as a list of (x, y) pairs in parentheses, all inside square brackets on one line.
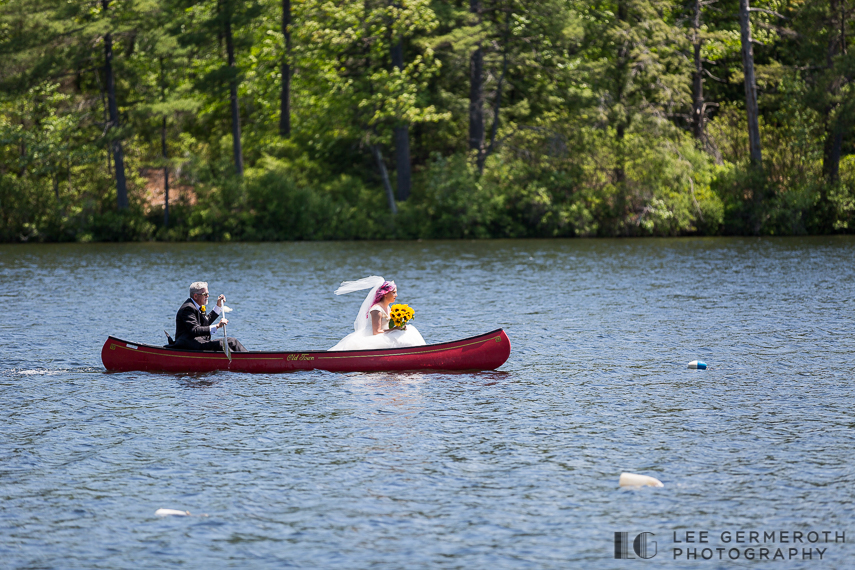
[(516, 468)]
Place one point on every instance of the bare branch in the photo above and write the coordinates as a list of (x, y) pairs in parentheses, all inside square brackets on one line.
[(774, 13), (786, 32), (713, 77)]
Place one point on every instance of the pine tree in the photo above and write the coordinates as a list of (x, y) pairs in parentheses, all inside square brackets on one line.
[(211, 32), (750, 89), (826, 53), (162, 90), (285, 96), (635, 59), (51, 40), (352, 63)]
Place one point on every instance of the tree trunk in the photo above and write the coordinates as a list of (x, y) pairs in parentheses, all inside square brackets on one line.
[(831, 158), (165, 174), (402, 160), (476, 91), (285, 99), (384, 174), (497, 105), (698, 119), (833, 146), (621, 64), (106, 118), (233, 95), (750, 88), (115, 144), (833, 135), (22, 151), (163, 150), (402, 137)]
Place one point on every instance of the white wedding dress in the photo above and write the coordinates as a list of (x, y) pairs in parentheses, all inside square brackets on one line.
[(363, 337)]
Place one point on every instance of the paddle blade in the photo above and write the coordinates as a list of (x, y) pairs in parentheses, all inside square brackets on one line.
[(226, 348)]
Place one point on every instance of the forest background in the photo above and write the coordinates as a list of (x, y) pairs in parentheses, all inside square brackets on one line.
[(333, 119)]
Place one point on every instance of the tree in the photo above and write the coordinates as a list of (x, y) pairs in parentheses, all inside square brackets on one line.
[(710, 24), (115, 142), (750, 90), (162, 91), (54, 40), (356, 89), (835, 76), (698, 106), (212, 23), (476, 89), (824, 54), (502, 52), (226, 18), (401, 130), (634, 55), (285, 97)]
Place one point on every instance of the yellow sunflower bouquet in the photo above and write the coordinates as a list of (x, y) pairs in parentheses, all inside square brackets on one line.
[(400, 315)]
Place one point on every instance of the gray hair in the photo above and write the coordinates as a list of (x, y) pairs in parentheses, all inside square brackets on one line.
[(198, 287)]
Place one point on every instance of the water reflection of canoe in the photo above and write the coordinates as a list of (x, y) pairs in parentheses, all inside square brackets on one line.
[(483, 352)]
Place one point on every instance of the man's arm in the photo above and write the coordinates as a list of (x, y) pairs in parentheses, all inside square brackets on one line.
[(212, 316)]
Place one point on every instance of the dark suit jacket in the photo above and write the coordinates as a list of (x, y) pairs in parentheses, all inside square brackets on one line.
[(191, 326)]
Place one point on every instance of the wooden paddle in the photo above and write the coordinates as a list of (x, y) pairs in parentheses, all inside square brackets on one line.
[(226, 348)]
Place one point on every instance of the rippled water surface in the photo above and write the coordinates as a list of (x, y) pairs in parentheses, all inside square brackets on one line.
[(516, 468)]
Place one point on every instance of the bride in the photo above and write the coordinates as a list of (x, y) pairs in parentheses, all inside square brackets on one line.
[(371, 328)]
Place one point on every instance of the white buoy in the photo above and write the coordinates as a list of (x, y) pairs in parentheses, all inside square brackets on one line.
[(172, 512), (698, 365), (633, 480)]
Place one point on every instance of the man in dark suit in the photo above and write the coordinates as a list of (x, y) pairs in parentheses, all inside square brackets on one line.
[(193, 328)]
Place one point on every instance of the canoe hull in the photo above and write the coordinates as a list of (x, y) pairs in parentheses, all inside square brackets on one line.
[(484, 352)]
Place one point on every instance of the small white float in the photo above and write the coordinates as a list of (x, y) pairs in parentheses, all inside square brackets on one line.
[(698, 365), (171, 512), (633, 480)]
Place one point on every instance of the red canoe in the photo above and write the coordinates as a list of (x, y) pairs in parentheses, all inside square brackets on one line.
[(484, 352)]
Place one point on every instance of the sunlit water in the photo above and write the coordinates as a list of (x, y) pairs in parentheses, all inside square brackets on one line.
[(516, 468)]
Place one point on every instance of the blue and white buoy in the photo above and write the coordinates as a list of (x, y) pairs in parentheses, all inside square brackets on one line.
[(698, 365)]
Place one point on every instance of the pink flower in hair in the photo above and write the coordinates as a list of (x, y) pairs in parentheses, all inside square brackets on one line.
[(386, 287)]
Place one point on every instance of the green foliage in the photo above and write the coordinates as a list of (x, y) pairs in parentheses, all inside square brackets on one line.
[(842, 196), (449, 202), (590, 127), (349, 88), (281, 205), (671, 181)]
